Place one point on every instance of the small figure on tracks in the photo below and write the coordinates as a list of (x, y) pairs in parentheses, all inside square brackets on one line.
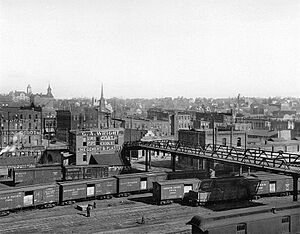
[(88, 211)]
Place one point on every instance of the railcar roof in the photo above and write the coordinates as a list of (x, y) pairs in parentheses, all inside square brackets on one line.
[(208, 224), (178, 181), (142, 174), (26, 188), (223, 218), (87, 181)]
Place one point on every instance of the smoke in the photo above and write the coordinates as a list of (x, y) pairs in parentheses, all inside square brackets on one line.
[(17, 138)]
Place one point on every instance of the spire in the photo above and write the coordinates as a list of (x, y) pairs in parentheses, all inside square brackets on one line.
[(102, 96), (102, 101)]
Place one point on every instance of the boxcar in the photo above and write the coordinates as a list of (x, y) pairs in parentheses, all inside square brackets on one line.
[(165, 192), (273, 184), (37, 175), (255, 220), (187, 174), (30, 196), (137, 182), (85, 172), (87, 189)]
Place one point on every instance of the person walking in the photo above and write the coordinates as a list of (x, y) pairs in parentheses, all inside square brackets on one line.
[(94, 205)]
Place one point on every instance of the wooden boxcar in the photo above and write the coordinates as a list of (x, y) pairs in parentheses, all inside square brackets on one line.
[(165, 192), (30, 196), (255, 220), (273, 184), (85, 172), (87, 189), (37, 175), (138, 182)]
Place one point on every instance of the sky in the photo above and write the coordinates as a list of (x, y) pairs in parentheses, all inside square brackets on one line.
[(151, 48)]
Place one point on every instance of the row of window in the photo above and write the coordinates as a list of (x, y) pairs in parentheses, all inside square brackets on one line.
[(241, 228), (238, 144)]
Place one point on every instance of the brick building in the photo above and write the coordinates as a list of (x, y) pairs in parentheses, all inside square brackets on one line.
[(85, 143), (21, 126)]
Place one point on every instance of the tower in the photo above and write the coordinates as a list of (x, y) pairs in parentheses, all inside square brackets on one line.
[(102, 100), (49, 91), (29, 91)]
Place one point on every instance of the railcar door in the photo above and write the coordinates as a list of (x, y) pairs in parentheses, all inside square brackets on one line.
[(90, 190), (272, 186), (28, 198), (143, 184)]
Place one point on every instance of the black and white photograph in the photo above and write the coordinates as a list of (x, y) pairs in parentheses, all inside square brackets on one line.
[(150, 116)]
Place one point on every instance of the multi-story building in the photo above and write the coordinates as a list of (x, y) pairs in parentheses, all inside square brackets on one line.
[(84, 118), (85, 143), (21, 127)]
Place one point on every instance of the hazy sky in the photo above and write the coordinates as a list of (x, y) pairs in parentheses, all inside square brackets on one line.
[(153, 48)]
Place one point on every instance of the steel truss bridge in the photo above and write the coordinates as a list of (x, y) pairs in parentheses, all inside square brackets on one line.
[(275, 162)]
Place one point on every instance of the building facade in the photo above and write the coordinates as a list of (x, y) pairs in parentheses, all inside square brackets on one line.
[(85, 143), (21, 127)]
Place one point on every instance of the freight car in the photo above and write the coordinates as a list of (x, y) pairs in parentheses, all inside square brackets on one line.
[(40, 196), (223, 189), (36, 175), (84, 172), (87, 189), (165, 192), (138, 182), (274, 184), (121, 185), (256, 220)]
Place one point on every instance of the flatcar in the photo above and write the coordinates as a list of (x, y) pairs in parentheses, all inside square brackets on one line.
[(284, 218), (222, 189), (39, 196), (168, 191)]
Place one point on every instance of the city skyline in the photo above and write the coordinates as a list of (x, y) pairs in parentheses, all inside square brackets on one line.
[(150, 48)]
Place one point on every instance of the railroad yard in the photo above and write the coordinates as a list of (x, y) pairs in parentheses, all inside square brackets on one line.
[(134, 214), (116, 215)]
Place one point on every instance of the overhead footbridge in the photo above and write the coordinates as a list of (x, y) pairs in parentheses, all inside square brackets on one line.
[(274, 162)]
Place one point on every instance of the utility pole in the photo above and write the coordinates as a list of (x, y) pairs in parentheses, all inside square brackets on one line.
[(8, 127), (213, 135)]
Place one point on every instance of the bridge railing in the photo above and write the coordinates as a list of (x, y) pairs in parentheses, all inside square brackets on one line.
[(258, 157)]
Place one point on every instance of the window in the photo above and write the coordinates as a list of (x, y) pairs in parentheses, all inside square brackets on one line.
[(286, 224), (84, 157), (239, 142), (241, 228), (97, 140), (224, 141), (84, 141)]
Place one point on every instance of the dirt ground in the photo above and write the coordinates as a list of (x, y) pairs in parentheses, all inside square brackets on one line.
[(117, 215)]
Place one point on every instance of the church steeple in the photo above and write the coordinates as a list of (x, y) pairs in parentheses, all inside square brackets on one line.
[(49, 91), (102, 95), (102, 100)]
